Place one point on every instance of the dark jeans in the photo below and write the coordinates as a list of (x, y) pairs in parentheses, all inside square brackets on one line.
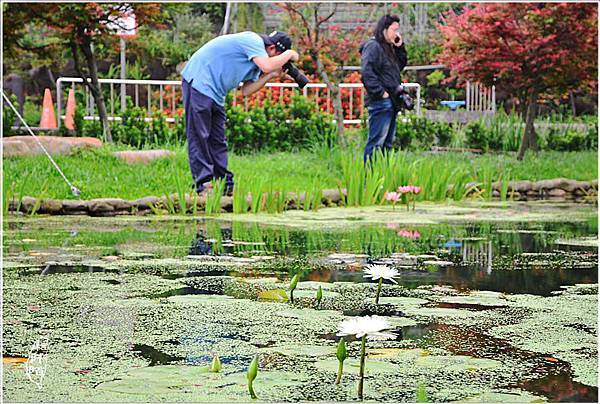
[(382, 126), (205, 131)]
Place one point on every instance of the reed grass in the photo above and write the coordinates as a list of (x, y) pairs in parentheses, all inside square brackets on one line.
[(270, 177), (213, 198)]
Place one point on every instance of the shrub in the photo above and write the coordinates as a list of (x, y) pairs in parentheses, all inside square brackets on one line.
[(132, 129), (569, 140), (592, 137), (8, 115), (477, 136), (414, 131), (274, 127)]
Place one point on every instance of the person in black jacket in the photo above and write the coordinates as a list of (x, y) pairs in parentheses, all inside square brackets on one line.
[(383, 58)]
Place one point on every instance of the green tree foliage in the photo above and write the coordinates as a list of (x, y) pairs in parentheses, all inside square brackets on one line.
[(83, 29)]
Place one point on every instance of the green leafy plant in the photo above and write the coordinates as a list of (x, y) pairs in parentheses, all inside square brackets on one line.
[(258, 199), (477, 136), (274, 126), (240, 203), (251, 375), (293, 284), (341, 354), (213, 200), (319, 296), (421, 394), (181, 196), (8, 115)]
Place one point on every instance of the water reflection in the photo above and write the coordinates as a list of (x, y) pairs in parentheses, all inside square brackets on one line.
[(484, 255)]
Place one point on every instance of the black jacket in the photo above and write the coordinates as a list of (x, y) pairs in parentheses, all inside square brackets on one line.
[(379, 72)]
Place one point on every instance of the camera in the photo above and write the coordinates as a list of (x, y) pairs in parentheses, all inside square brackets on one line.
[(296, 74), (401, 99)]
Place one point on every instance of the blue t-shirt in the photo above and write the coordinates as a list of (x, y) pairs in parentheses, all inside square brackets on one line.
[(222, 63)]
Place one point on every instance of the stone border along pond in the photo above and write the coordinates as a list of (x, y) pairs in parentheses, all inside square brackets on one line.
[(559, 189)]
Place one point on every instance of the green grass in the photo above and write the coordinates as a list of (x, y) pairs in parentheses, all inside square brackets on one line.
[(98, 174)]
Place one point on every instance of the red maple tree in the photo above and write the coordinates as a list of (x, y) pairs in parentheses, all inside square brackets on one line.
[(528, 49)]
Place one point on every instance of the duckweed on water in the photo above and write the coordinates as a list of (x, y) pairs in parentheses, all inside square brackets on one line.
[(124, 333)]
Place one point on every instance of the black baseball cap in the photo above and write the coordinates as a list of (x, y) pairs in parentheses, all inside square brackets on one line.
[(281, 40)]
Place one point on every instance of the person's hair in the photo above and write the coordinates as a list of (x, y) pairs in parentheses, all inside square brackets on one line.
[(383, 24)]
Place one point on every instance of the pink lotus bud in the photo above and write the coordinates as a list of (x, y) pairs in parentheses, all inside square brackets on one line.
[(391, 196), (416, 190)]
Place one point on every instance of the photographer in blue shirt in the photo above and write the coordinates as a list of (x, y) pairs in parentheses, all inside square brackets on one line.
[(216, 68)]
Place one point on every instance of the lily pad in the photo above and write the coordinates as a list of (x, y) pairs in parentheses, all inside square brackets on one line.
[(441, 312), (274, 295), (303, 350), (403, 302), (196, 299), (166, 382), (456, 363), (313, 293), (482, 298), (513, 396), (372, 366), (402, 354), (313, 285), (156, 380), (305, 314)]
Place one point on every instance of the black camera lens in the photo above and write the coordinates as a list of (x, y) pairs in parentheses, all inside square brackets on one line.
[(296, 74), (401, 99)]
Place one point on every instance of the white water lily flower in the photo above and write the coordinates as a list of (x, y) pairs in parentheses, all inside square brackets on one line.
[(371, 326), (376, 272)]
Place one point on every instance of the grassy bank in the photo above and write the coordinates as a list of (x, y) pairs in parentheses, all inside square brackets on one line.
[(98, 174)]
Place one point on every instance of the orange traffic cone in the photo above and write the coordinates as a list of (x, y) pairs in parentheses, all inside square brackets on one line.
[(69, 116), (48, 120)]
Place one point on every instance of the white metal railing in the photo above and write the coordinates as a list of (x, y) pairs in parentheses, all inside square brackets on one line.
[(147, 86), (171, 96), (480, 98)]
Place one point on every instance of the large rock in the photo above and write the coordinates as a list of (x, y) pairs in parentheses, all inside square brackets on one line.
[(331, 196), (146, 202), (520, 186), (143, 156), (227, 203), (24, 204), (573, 185), (103, 206), (557, 192), (74, 206), (547, 185), (51, 206), (15, 148), (54, 145)]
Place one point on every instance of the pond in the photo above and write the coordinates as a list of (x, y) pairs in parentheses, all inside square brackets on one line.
[(135, 309)]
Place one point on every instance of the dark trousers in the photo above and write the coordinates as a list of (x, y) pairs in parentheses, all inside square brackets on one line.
[(382, 126), (205, 131)]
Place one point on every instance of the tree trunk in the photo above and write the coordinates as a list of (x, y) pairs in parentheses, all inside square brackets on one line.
[(226, 19), (529, 136), (572, 102), (336, 96), (96, 90), (235, 18)]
